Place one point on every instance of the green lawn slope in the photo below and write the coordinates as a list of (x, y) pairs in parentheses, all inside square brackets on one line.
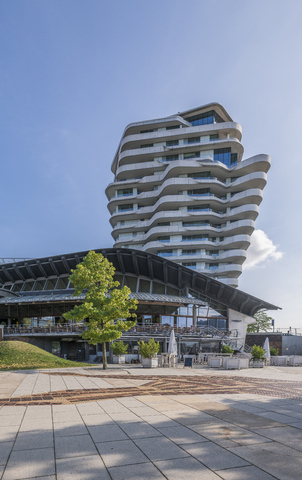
[(24, 356)]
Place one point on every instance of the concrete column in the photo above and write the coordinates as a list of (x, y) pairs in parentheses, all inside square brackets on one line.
[(194, 316), (1, 332)]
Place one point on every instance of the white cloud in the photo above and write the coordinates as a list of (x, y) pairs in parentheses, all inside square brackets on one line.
[(261, 249)]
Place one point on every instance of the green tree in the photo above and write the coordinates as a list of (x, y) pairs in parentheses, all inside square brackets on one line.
[(148, 349), (263, 322), (119, 348), (104, 306), (227, 349)]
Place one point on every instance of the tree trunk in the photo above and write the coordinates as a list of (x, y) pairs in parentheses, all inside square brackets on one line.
[(104, 356)]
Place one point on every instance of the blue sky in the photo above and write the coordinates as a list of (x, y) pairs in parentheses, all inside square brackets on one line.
[(74, 73)]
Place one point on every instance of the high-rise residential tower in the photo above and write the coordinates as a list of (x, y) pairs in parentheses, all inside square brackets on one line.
[(181, 190)]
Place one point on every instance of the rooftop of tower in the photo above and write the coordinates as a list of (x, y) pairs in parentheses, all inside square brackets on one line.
[(180, 118)]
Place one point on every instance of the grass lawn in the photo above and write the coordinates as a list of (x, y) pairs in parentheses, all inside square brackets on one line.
[(24, 356)]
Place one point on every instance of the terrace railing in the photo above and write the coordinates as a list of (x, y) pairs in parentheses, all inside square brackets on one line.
[(164, 330)]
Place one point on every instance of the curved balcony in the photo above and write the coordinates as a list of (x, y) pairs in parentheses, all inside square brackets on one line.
[(129, 157), (236, 228), (235, 242), (232, 129)]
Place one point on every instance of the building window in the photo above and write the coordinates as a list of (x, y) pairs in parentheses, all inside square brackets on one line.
[(205, 118), (126, 207), (197, 223), (147, 145), (199, 175), (131, 282), (172, 127), (163, 239), (193, 140), (170, 158), (144, 286), (50, 284), (199, 192), (165, 253), (62, 283), (189, 264), (192, 155), (158, 288), (189, 252), (214, 137), (39, 285), (225, 156), (190, 238), (163, 224), (205, 207), (148, 131), (125, 192), (172, 143)]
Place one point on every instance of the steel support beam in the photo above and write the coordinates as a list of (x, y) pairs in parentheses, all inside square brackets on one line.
[(120, 262), (135, 264), (31, 273), (44, 274), (52, 264), (66, 265)]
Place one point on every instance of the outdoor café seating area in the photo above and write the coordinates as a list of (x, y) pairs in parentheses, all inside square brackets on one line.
[(212, 360)]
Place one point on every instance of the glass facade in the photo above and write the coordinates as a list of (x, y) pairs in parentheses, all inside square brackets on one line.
[(198, 207), (199, 192), (199, 175), (205, 118), (225, 156)]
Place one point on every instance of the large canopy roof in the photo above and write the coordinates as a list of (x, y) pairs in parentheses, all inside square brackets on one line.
[(139, 264)]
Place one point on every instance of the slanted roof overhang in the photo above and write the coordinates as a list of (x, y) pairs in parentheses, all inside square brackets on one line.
[(140, 264), (143, 298)]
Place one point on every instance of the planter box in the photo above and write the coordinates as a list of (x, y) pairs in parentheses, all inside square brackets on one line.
[(150, 362), (119, 358), (258, 363), (232, 363)]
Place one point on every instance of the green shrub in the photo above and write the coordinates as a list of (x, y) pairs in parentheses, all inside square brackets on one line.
[(148, 349), (274, 351), (257, 352), (119, 348), (227, 349)]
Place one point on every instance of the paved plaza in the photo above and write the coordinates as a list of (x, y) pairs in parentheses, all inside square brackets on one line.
[(134, 423)]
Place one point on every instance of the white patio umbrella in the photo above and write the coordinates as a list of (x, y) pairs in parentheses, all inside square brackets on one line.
[(266, 348), (172, 343)]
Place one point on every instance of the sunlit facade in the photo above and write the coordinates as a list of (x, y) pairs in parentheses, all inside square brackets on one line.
[(182, 191)]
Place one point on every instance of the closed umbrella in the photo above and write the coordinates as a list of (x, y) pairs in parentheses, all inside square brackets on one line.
[(172, 343), (266, 348)]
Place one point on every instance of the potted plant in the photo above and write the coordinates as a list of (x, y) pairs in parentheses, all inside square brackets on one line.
[(119, 352), (227, 349), (258, 356), (274, 352), (148, 351)]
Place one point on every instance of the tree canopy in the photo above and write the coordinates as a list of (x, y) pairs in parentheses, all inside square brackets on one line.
[(263, 322), (105, 307)]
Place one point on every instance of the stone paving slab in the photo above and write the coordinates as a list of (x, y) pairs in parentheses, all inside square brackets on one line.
[(152, 435), (146, 471), (157, 385), (186, 468)]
